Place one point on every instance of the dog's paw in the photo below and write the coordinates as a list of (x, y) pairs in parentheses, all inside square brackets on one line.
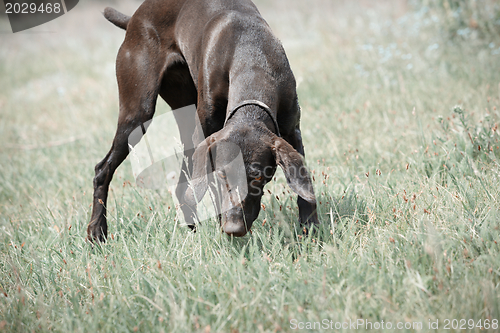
[(192, 227), (311, 225), (96, 234)]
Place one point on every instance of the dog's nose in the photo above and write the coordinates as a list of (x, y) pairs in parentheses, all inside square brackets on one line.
[(237, 229), (234, 224)]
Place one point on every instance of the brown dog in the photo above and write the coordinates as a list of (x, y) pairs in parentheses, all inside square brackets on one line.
[(221, 56)]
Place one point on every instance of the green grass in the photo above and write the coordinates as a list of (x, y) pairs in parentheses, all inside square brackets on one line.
[(408, 184)]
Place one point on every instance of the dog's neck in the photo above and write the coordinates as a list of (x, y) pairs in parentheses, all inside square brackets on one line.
[(254, 116)]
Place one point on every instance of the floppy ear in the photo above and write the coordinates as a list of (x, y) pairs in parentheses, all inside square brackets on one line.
[(295, 171), (202, 166)]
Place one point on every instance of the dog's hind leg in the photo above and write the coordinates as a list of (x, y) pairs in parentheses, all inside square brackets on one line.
[(139, 72)]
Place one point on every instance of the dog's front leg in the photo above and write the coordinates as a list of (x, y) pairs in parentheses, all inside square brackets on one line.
[(308, 215)]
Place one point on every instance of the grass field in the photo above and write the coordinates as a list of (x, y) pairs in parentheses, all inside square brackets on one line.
[(400, 126)]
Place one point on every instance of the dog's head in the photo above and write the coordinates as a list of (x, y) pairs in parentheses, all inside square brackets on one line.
[(237, 164)]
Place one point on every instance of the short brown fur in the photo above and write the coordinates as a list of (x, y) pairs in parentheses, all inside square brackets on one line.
[(214, 54)]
